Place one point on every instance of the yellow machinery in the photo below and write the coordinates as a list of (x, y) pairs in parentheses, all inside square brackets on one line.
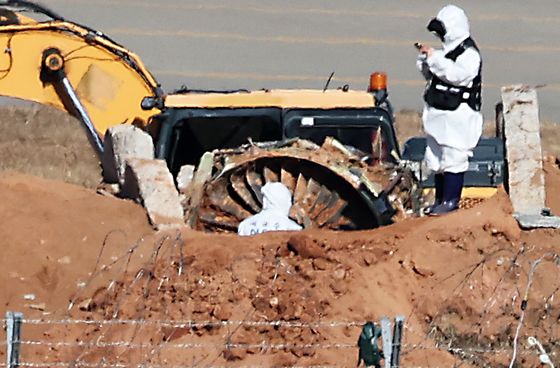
[(73, 68), (356, 180)]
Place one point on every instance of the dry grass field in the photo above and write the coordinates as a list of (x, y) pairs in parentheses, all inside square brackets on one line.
[(408, 123), (43, 141)]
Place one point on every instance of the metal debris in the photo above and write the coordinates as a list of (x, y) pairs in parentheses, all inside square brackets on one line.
[(332, 186)]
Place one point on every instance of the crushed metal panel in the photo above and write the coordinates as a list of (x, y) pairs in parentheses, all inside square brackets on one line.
[(523, 146)]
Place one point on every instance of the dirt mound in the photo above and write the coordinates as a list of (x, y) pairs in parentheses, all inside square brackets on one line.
[(277, 299), (43, 141), (282, 299), (52, 235)]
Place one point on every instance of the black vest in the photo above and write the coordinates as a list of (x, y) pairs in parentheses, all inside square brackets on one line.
[(445, 96)]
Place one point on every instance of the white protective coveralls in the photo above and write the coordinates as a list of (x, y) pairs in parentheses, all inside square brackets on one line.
[(451, 135), (277, 201)]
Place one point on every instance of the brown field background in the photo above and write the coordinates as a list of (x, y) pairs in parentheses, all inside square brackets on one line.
[(408, 123), (45, 142)]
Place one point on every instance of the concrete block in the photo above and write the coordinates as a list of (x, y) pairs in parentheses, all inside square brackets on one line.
[(184, 178), (523, 147), (150, 182), (122, 142), (202, 175), (537, 221)]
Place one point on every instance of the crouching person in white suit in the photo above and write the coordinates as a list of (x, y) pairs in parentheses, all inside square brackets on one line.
[(277, 202), (451, 116)]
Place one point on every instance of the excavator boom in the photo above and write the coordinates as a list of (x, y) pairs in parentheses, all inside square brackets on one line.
[(80, 70)]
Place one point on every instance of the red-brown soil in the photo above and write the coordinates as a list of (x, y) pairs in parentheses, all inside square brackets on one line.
[(51, 232), (459, 281)]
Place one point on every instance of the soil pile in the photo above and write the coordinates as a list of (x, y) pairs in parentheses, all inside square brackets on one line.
[(278, 299), (52, 236)]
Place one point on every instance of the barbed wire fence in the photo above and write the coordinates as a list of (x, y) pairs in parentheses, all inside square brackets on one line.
[(16, 325), (516, 348), (16, 341)]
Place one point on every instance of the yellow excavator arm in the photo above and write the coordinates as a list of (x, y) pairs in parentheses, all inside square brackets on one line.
[(71, 67)]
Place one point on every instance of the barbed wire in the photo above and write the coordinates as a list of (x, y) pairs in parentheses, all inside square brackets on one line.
[(122, 365), (470, 353), (227, 345), (208, 323), (525, 300), (264, 346), (195, 324)]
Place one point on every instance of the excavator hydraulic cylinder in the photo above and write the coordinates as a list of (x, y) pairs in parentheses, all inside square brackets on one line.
[(52, 71)]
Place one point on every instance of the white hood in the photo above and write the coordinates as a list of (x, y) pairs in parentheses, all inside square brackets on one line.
[(456, 25), (277, 197)]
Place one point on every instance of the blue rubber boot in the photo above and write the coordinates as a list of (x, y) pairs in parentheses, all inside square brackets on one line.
[(453, 186), (439, 185)]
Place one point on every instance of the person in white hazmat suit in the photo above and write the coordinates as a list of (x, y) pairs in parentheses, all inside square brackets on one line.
[(451, 117), (277, 201)]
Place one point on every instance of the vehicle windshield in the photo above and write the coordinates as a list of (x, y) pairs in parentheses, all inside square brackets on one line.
[(201, 130)]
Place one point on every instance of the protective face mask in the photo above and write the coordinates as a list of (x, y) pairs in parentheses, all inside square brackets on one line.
[(437, 27)]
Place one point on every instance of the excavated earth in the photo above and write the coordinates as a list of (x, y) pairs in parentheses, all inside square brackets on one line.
[(73, 258), (70, 253)]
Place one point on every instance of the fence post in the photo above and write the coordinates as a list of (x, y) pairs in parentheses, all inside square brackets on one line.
[(386, 335), (397, 338), (13, 330)]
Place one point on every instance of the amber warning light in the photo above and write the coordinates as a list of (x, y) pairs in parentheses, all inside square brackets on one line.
[(377, 82)]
